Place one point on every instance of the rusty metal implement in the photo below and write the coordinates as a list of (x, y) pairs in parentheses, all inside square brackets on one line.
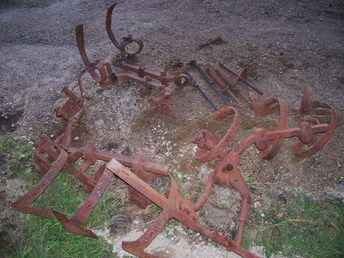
[(53, 157), (95, 170), (106, 74), (173, 207), (56, 156)]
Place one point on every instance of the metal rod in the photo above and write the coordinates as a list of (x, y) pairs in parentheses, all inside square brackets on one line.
[(247, 83), (225, 99), (204, 95), (214, 76), (234, 91)]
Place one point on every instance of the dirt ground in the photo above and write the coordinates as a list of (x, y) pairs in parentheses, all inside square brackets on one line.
[(287, 45)]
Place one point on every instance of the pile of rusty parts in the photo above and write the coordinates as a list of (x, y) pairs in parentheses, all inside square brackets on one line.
[(316, 125)]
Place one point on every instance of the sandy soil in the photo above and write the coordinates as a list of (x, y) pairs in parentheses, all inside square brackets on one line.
[(286, 44)]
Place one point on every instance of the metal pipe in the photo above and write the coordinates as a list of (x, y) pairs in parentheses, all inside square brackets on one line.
[(222, 84), (197, 87), (247, 83), (225, 99)]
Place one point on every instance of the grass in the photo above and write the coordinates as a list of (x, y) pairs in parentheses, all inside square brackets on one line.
[(45, 238), (302, 227)]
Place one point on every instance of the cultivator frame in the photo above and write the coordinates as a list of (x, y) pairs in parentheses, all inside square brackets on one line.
[(317, 123)]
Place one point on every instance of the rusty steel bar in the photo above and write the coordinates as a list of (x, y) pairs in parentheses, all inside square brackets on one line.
[(24, 203), (209, 81), (74, 225), (262, 106), (268, 151), (198, 88), (221, 84), (231, 87), (210, 147), (241, 78), (162, 76)]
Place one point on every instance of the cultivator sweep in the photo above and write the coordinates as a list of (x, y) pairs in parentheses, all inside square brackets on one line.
[(95, 170)]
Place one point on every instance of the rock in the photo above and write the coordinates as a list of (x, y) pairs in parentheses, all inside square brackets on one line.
[(337, 193), (120, 224)]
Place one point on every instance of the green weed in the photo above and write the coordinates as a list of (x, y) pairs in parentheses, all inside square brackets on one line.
[(303, 227)]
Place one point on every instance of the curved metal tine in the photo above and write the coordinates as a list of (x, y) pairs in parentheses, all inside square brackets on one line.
[(74, 225), (108, 26), (80, 40), (322, 141), (138, 246), (275, 145), (237, 181), (24, 203)]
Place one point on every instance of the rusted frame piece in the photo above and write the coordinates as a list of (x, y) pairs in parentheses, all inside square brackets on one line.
[(162, 76), (160, 80), (62, 159), (175, 206), (102, 73), (97, 186), (125, 42), (47, 151), (25, 203), (75, 224), (227, 172), (242, 77), (101, 70), (222, 84), (102, 181), (224, 98), (72, 105), (210, 147)]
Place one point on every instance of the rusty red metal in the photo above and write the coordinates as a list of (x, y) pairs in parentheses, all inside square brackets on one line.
[(100, 70), (126, 43), (54, 156), (72, 105), (239, 78), (267, 141), (173, 207), (222, 84), (103, 73), (95, 170)]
